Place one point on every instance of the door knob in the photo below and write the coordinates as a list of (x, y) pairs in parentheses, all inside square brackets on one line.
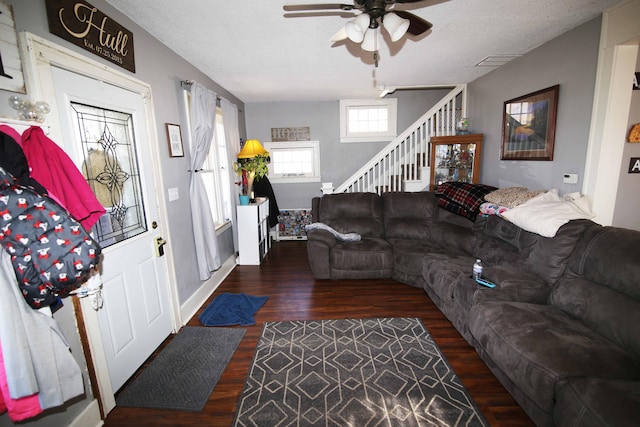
[(159, 244)]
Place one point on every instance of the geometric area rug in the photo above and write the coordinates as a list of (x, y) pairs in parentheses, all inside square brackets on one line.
[(352, 372), (185, 372)]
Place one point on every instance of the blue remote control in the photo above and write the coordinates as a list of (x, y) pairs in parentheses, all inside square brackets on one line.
[(486, 283)]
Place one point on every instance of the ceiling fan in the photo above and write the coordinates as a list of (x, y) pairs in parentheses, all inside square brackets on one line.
[(369, 14)]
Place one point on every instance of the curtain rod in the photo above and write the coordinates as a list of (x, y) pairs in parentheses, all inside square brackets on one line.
[(186, 84), (189, 83)]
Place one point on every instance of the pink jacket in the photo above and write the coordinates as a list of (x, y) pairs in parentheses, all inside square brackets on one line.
[(53, 168), (19, 409)]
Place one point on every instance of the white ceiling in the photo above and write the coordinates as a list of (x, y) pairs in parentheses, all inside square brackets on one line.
[(253, 51)]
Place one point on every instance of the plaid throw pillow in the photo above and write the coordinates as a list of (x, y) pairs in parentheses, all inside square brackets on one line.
[(462, 198)]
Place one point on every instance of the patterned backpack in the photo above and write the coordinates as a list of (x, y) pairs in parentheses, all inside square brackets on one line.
[(51, 252)]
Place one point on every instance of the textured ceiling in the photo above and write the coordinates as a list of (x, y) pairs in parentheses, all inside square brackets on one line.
[(253, 51)]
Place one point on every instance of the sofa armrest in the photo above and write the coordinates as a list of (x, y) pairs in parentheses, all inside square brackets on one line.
[(319, 244), (513, 284), (322, 236)]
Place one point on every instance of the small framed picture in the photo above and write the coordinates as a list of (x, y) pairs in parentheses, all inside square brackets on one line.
[(529, 126), (176, 149)]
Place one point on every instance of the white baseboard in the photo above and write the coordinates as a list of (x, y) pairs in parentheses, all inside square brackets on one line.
[(89, 417), (193, 304)]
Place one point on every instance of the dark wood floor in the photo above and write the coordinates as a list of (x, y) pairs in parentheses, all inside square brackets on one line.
[(293, 294)]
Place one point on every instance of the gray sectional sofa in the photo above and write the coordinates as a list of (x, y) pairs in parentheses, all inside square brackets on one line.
[(561, 330)]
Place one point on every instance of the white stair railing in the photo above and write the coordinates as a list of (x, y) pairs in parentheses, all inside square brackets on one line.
[(402, 158)]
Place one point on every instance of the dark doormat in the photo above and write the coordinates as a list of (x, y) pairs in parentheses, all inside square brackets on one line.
[(353, 372), (185, 372), (232, 309)]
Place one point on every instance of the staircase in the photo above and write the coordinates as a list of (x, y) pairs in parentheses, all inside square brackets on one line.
[(403, 165)]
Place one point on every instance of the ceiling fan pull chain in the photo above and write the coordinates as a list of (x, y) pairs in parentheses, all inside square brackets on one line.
[(375, 58)]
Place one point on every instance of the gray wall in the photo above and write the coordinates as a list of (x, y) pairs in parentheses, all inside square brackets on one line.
[(337, 160), (163, 70), (570, 60), (627, 202)]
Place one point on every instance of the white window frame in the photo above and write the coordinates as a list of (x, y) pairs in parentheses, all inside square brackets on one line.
[(272, 147), (391, 104)]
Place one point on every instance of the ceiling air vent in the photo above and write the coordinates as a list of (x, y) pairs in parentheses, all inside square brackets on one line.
[(496, 60)]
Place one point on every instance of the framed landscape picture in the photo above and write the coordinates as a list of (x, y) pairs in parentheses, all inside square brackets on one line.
[(529, 126)]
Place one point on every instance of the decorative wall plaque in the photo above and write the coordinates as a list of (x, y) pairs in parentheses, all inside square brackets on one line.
[(84, 25), (290, 134)]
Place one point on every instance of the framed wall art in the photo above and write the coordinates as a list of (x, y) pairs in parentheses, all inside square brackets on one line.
[(176, 148), (529, 126)]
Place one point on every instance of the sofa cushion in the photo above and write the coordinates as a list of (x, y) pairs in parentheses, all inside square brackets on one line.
[(443, 272), (513, 284), (602, 289), (408, 215), (504, 243), (610, 257), (596, 402), (359, 213), (538, 345), (449, 283), (500, 242), (549, 257), (453, 237), (369, 253), (610, 313), (408, 254)]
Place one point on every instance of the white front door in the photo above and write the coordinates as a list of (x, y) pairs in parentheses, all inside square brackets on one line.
[(104, 132)]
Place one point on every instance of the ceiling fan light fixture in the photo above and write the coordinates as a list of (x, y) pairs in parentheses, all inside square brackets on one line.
[(371, 40), (396, 26), (356, 29), (340, 35)]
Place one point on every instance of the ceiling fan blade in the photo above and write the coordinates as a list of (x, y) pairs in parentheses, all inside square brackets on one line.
[(307, 7), (417, 25), (312, 14), (407, 1)]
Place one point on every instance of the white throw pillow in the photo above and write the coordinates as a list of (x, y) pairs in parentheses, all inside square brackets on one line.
[(546, 213)]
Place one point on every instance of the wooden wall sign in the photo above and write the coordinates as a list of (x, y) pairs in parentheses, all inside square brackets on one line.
[(85, 26), (11, 77), (290, 134)]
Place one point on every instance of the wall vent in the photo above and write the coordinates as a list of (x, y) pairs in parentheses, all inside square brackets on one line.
[(496, 60)]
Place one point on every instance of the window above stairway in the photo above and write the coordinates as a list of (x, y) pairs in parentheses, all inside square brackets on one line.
[(368, 120)]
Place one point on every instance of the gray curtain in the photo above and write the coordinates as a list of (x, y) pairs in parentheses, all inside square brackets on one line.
[(203, 121), (232, 139)]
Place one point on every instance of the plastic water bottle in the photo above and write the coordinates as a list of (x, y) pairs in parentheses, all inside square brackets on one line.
[(477, 269)]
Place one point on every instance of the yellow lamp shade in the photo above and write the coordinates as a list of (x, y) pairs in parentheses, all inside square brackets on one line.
[(251, 149)]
